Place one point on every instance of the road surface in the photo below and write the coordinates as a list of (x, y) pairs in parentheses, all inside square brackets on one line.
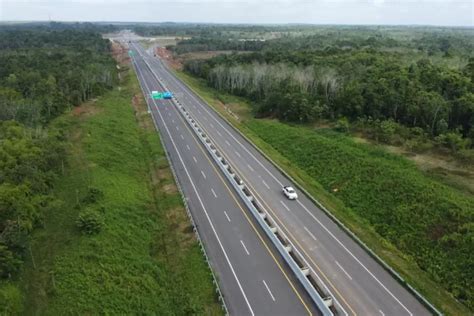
[(253, 278), (358, 284)]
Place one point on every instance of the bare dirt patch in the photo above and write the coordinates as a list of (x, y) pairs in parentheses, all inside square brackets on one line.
[(86, 109)]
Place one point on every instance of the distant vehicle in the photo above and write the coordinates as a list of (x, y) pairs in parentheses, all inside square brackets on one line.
[(167, 95), (290, 193)]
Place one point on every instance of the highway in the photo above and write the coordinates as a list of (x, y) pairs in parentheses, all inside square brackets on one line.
[(253, 278), (357, 283)]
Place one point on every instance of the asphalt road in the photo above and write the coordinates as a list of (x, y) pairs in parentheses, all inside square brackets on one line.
[(355, 280), (253, 278)]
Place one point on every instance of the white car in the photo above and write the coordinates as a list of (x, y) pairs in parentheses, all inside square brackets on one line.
[(290, 193)]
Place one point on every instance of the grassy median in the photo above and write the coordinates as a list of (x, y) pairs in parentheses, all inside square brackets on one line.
[(136, 253), (269, 137)]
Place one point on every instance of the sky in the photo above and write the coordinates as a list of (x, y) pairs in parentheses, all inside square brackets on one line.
[(398, 12)]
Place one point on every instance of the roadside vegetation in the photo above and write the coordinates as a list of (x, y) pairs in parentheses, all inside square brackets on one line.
[(107, 231)]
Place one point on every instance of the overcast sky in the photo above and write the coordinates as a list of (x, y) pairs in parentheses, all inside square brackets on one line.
[(426, 12)]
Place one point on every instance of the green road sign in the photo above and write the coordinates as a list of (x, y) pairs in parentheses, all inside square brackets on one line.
[(156, 95)]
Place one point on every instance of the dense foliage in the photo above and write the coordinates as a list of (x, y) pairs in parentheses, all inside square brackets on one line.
[(431, 222), (359, 84), (43, 72)]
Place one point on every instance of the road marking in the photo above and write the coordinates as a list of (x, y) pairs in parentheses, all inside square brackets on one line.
[(250, 167), (203, 207), (265, 184), (381, 313), (310, 233), (187, 146), (347, 274), (182, 137), (284, 205), (199, 112), (219, 133), (202, 172), (172, 121), (245, 248), (268, 289), (355, 258), (242, 210), (227, 142), (228, 218), (177, 128), (238, 154), (169, 114), (205, 118), (214, 193), (195, 160), (211, 125)]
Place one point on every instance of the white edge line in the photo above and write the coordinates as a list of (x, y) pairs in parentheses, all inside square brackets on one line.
[(204, 208)]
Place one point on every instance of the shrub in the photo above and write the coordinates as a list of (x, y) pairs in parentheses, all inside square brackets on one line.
[(90, 222), (92, 196)]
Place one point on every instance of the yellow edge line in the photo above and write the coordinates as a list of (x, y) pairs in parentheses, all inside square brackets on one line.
[(246, 216), (283, 225)]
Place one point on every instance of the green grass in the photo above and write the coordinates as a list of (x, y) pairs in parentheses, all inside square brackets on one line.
[(369, 183), (146, 259)]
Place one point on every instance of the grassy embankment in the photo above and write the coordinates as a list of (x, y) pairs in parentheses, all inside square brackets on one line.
[(145, 259), (340, 174)]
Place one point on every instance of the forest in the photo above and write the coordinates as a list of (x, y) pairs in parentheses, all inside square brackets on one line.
[(44, 71), (361, 82)]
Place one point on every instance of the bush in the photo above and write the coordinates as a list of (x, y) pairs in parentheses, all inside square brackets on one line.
[(9, 262), (90, 222), (342, 125), (92, 196)]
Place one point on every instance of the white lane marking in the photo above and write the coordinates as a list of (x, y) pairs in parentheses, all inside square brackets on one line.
[(238, 154), (199, 112), (172, 121), (177, 128), (381, 313), (219, 133), (250, 167), (310, 233), (245, 248), (214, 193), (228, 218), (202, 205), (284, 205), (227, 142), (340, 267), (265, 184), (354, 257), (187, 146), (184, 88), (211, 125), (195, 160), (204, 176), (279, 182), (182, 137), (268, 289)]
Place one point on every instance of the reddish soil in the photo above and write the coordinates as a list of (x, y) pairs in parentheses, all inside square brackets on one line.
[(166, 55)]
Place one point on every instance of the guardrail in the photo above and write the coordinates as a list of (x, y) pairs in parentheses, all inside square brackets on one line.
[(284, 246), (188, 212), (369, 251)]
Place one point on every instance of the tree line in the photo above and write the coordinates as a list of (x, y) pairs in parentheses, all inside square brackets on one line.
[(360, 85), (44, 71)]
